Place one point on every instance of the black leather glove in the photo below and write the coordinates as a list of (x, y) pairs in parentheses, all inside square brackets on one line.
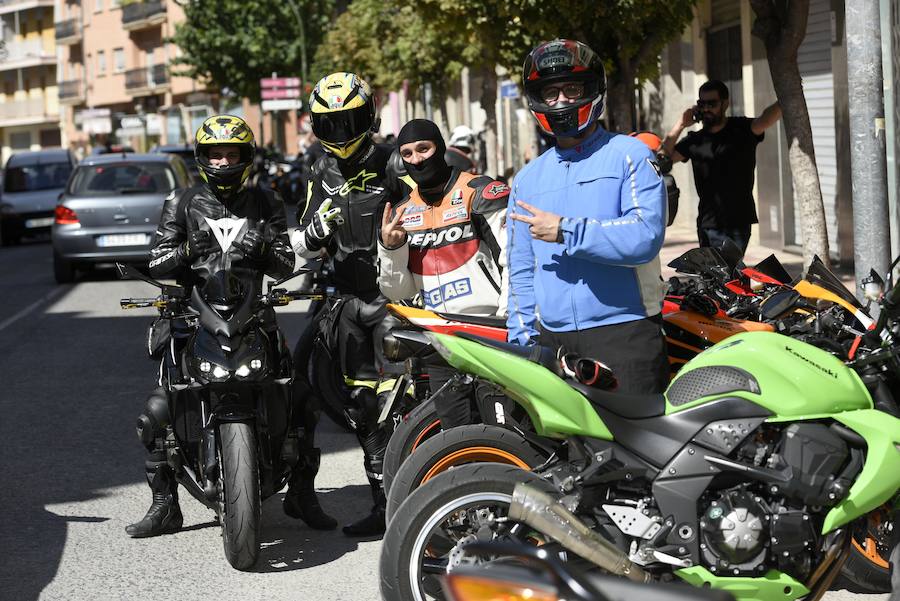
[(197, 244), (699, 303), (253, 245)]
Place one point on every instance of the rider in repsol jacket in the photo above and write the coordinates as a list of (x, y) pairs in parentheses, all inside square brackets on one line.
[(196, 224), (447, 242), (345, 199)]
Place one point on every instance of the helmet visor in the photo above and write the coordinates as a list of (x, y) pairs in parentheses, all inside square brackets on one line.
[(340, 127)]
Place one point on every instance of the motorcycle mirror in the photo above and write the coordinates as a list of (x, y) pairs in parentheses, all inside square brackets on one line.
[(778, 304), (129, 272), (873, 286)]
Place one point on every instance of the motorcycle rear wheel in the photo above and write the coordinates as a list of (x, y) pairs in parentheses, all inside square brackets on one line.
[(459, 446), (328, 381), (417, 426), (241, 511)]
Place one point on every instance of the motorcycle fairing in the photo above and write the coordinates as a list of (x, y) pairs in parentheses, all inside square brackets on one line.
[(880, 478), (793, 379), (773, 586), (556, 409)]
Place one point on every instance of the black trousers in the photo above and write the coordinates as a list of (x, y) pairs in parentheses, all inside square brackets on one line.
[(635, 350)]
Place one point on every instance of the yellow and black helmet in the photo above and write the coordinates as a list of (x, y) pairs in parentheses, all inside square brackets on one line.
[(224, 130), (342, 107)]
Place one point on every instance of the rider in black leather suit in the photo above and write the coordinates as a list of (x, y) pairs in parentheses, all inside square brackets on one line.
[(346, 196), (194, 227)]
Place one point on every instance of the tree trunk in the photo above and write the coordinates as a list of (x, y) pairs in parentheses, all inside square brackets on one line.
[(802, 157), (620, 103), (782, 28), (489, 104)]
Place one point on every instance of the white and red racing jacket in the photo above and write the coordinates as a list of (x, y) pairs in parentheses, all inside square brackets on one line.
[(455, 250)]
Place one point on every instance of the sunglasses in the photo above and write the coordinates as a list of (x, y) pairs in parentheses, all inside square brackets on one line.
[(572, 91), (708, 104)]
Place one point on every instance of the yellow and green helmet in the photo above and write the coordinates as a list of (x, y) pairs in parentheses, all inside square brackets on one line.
[(224, 130), (342, 109)]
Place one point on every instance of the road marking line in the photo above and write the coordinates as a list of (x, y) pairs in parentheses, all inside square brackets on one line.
[(46, 298)]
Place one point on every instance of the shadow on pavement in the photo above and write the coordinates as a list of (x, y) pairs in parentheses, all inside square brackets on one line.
[(289, 544)]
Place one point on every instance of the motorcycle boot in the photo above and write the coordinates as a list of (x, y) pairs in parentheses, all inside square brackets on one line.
[(164, 515), (373, 438), (300, 501)]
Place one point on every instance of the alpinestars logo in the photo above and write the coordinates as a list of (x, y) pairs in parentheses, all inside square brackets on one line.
[(359, 182), (226, 230)]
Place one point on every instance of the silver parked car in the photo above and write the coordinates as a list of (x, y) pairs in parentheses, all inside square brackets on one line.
[(32, 184), (110, 209)]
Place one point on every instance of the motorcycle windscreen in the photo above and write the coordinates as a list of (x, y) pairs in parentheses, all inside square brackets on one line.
[(772, 267), (819, 274), (701, 261)]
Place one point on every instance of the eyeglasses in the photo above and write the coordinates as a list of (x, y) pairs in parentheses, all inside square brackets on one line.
[(572, 91), (708, 104)]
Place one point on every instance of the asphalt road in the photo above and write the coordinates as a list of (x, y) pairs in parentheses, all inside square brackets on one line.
[(73, 376)]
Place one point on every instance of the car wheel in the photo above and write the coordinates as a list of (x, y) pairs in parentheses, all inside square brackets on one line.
[(63, 270)]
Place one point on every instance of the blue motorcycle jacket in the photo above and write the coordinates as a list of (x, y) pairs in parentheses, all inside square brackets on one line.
[(612, 199)]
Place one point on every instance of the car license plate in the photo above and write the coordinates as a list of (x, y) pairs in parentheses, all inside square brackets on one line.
[(42, 222), (122, 240)]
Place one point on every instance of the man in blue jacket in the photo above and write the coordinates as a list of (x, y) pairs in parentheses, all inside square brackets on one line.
[(587, 220)]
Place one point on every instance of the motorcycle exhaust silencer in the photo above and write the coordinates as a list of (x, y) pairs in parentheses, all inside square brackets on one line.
[(542, 512)]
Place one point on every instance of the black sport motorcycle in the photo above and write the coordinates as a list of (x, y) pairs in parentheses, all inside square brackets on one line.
[(226, 372)]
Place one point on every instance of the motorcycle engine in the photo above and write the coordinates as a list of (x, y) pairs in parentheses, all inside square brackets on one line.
[(734, 531)]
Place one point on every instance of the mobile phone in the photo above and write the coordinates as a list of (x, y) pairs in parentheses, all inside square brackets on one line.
[(695, 113)]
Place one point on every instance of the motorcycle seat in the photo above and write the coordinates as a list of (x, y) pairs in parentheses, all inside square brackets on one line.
[(629, 406), (478, 320), (542, 355)]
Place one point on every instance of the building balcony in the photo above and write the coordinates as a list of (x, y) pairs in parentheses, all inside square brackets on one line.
[(25, 111), (18, 54), (145, 81), (12, 6), (68, 31), (142, 15), (71, 91)]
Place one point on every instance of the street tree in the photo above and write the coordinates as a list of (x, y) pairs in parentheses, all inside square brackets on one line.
[(233, 43), (781, 24)]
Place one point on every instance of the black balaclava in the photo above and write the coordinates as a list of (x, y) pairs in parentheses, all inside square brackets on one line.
[(433, 173)]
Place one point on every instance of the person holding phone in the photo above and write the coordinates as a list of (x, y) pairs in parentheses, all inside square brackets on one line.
[(723, 157)]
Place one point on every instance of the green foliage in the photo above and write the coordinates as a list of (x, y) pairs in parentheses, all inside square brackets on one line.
[(233, 43), (387, 42)]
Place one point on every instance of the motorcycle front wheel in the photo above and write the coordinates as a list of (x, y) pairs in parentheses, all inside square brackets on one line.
[(241, 504)]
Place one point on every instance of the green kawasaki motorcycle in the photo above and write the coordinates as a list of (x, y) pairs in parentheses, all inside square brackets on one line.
[(746, 475)]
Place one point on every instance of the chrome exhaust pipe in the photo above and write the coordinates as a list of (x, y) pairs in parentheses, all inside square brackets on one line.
[(542, 512)]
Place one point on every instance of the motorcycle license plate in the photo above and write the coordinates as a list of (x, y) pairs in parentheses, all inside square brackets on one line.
[(123, 240), (400, 385)]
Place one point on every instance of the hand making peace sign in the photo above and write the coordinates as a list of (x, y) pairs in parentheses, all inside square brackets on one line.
[(392, 233), (542, 225)]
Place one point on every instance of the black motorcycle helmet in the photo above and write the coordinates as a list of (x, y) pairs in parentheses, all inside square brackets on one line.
[(224, 130), (564, 61)]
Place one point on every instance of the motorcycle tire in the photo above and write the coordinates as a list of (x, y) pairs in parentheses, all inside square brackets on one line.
[(407, 537), (868, 564), (328, 380), (241, 504), (417, 426), (458, 446)]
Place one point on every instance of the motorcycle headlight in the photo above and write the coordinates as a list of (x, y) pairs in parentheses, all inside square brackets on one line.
[(251, 367), (210, 371)]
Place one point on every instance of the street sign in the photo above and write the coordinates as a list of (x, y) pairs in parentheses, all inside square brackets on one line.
[(509, 89), (283, 104), (275, 94), (279, 82)]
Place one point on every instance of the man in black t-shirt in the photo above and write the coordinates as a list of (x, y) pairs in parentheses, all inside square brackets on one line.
[(723, 156)]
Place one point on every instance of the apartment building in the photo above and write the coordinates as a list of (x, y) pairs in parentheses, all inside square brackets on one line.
[(114, 81), (29, 113)]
